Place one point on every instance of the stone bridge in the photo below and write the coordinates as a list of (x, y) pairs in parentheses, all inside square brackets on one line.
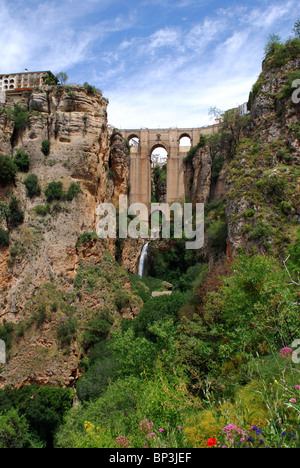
[(140, 159)]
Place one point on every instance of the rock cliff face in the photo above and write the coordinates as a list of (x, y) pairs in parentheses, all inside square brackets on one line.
[(197, 176), (253, 164), (263, 199), (45, 248), (119, 163)]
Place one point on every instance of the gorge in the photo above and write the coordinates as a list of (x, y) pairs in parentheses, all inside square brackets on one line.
[(84, 333)]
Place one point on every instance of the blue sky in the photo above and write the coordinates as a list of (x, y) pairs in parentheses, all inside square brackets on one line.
[(161, 63)]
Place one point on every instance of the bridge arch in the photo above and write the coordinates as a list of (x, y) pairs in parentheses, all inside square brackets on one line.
[(185, 139), (133, 140), (159, 145), (140, 158)]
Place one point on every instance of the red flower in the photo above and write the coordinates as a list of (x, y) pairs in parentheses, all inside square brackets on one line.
[(212, 442)]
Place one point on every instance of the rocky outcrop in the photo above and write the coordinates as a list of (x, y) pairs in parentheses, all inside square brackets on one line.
[(263, 204), (44, 249), (197, 176), (119, 165)]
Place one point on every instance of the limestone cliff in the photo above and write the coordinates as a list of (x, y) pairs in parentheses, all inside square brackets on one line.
[(263, 198), (55, 271), (248, 174)]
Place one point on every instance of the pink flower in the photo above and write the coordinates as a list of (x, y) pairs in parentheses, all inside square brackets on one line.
[(152, 434), (286, 353), (160, 430), (297, 387), (293, 400), (179, 427)]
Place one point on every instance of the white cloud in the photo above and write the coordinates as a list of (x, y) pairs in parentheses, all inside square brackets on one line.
[(168, 75)]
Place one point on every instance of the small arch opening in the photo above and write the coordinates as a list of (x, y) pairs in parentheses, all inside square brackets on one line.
[(185, 141), (134, 141)]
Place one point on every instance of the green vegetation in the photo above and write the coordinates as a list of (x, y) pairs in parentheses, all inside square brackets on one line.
[(16, 215), (54, 191), (91, 90), (21, 118), (66, 331), (62, 77), (32, 186), (42, 210), (211, 364), (192, 151), (46, 147), (278, 54), (30, 416), (85, 238), (8, 170), (4, 238), (22, 161), (73, 190)]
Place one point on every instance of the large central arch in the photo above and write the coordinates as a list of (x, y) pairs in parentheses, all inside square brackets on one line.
[(140, 157)]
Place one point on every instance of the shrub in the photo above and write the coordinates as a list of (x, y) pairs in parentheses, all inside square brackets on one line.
[(14, 430), (42, 210), (22, 161), (4, 238), (8, 170), (66, 332), (46, 147), (32, 186), (73, 190), (287, 90), (16, 216), (85, 238), (91, 90), (21, 117), (54, 191)]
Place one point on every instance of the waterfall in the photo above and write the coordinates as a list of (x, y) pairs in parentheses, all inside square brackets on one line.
[(143, 260)]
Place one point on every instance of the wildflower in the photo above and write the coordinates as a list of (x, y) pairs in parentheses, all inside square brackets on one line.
[(212, 442), (179, 427), (286, 353), (152, 434), (160, 430), (122, 442), (293, 400), (297, 387)]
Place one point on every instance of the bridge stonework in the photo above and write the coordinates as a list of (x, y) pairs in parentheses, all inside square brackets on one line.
[(140, 159)]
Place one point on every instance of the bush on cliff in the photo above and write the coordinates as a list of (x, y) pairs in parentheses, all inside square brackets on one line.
[(8, 170)]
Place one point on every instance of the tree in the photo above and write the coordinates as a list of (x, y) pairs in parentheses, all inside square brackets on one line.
[(54, 191), (62, 77), (45, 147), (273, 42), (16, 215), (32, 186), (4, 238), (14, 430), (214, 112), (296, 29), (22, 161), (8, 170)]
